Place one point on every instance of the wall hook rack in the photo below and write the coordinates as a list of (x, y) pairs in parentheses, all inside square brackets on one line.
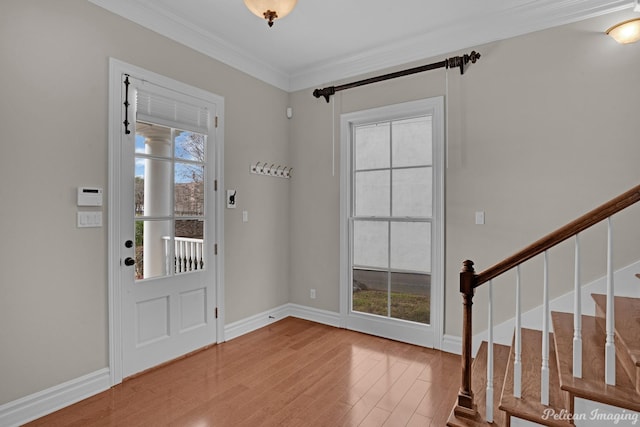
[(264, 168)]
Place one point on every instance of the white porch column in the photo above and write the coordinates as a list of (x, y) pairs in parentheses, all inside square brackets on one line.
[(157, 198)]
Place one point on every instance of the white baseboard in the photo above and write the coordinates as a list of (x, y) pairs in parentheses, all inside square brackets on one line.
[(257, 321), (260, 320), (452, 344), (325, 317), (44, 402)]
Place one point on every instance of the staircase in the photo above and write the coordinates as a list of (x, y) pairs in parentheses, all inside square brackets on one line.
[(564, 388), (540, 386)]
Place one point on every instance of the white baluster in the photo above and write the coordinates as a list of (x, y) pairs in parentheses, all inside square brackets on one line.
[(517, 362), (577, 315), (489, 403), (199, 255), (194, 256), (610, 348), (183, 248), (176, 255), (179, 255), (544, 370)]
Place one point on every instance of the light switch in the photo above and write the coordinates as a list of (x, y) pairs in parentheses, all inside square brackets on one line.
[(89, 219), (479, 217), (245, 216)]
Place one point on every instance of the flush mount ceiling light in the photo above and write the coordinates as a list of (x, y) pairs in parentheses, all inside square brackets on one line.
[(628, 31), (270, 9)]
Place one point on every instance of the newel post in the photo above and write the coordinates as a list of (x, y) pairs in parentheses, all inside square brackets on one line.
[(466, 407)]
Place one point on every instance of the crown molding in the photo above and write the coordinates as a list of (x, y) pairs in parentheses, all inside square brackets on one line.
[(523, 20), (178, 30), (513, 21)]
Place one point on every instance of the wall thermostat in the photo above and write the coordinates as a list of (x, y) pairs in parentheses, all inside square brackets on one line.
[(89, 196)]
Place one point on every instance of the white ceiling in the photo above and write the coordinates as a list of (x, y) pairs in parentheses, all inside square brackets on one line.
[(326, 40)]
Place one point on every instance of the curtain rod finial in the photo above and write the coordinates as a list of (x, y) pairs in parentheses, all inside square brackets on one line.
[(326, 92)]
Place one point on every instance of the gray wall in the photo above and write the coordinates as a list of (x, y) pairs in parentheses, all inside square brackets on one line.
[(541, 130), (53, 116)]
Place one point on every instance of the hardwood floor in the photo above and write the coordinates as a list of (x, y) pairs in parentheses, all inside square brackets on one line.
[(291, 373)]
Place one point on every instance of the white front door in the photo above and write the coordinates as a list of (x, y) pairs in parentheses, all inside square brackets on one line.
[(167, 224), (392, 221)]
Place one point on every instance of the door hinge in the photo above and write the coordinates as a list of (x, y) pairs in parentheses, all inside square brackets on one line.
[(216, 125), (215, 249), (216, 310), (215, 185)]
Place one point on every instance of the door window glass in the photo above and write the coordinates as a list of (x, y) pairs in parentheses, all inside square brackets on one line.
[(169, 194)]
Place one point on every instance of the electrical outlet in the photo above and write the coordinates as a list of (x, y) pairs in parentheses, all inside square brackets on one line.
[(312, 294)]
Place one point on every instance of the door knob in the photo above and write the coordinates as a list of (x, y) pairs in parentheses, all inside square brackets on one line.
[(129, 261)]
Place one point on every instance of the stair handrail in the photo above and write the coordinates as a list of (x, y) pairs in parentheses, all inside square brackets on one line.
[(469, 280)]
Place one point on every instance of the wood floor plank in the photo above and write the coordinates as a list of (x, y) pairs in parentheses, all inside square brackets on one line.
[(407, 406), (291, 373)]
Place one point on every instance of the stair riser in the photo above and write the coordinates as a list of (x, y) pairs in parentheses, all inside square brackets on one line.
[(622, 353)]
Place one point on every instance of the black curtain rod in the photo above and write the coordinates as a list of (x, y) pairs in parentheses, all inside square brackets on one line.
[(461, 62)]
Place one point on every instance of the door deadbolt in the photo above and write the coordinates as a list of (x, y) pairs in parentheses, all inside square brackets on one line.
[(128, 244)]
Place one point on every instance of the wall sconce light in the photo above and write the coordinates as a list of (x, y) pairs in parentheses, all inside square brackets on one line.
[(628, 31), (270, 9)]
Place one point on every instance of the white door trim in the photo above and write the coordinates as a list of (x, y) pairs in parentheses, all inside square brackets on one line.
[(116, 70), (434, 106)]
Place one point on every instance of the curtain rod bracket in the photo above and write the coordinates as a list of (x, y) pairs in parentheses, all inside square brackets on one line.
[(461, 62)]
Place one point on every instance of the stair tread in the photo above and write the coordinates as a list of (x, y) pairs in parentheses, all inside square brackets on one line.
[(528, 407), (627, 322), (592, 385), (479, 385)]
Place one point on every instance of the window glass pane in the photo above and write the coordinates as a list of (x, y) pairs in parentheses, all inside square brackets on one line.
[(189, 244), (372, 195), (411, 246), (370, 291), (139, 143), (412, 142), (153, 255), (411, 297), (189, 189), (412, 192), (372, 146), (370, 244), (190, 146), (152, 184)]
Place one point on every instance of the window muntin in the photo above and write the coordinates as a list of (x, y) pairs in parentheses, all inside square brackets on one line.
[(391, 218)]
